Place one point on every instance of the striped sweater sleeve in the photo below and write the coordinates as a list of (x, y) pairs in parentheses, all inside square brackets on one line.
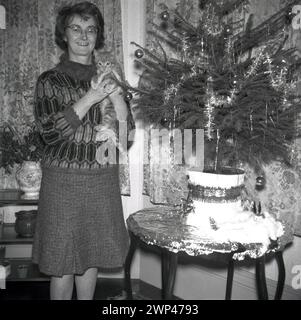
[(56, 120)]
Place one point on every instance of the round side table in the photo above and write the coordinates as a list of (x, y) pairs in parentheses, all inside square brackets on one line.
[(164, 228)]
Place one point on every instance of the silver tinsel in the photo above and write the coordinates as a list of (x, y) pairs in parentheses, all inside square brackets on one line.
[(209, 110), (170, 91), (253, 68)]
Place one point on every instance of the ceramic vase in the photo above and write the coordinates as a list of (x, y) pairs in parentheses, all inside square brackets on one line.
[(25, 223), (29, 179)]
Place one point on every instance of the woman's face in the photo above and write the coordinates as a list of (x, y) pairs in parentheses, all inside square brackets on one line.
[(80, 35)]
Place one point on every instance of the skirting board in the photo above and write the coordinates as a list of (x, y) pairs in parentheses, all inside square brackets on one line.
[(246, 280), (244, 287)]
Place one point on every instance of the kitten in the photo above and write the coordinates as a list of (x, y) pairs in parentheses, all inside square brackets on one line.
[(107, 127)]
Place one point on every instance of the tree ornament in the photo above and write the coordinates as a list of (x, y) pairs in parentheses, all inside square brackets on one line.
[(164, 25), (128, 96), (139, 53), (227, 31), (164, 15), (260, 183), (165, 122), (137, 65), (202, 4), (289, 16)]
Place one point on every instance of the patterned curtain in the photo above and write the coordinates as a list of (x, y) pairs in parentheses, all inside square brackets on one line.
[(27, 48), (283, 187), (165, 183)]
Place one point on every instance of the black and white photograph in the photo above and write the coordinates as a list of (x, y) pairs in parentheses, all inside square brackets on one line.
[(150, 150)]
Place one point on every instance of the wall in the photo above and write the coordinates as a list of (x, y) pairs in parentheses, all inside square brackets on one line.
[(133, 29)]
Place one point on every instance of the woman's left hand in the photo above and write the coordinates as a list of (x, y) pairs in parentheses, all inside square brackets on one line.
[(105, 133)]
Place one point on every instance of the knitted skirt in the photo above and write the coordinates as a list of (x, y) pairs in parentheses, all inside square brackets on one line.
[(80, 222)]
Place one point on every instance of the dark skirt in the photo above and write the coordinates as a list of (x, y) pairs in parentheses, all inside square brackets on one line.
[(80, 222)]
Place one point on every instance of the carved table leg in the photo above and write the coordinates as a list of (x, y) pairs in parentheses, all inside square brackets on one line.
[(281, 275), (127, 266), (260, 279), (229, 279), (168, 266)]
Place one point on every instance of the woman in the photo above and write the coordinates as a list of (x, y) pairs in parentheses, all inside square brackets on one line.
[(80, 226)]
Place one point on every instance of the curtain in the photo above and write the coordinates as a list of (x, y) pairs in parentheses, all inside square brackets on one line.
[(165, 183), (27, 48), (281, 195)]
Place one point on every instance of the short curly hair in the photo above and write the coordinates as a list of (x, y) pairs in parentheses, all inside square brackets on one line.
[(82, 9)]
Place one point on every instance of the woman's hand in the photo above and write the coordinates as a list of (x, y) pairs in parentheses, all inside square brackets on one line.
[(98, 92), (105, 86), (105, 133), (101, 88)]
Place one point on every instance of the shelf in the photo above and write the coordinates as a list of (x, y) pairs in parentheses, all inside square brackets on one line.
[(14, 197), (32, 274), (9, 235)]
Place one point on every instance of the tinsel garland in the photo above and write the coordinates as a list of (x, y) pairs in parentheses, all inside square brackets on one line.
[(209, 110)]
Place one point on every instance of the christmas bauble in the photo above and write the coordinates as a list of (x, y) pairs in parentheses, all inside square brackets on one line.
[(139, 53), (227, 30), (128, 96), (202, 4), (289, 16), (137, 65), (260, 183), (164, 15), (164, 25)]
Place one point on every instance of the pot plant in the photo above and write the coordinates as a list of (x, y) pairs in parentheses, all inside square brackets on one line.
[(25, 152)]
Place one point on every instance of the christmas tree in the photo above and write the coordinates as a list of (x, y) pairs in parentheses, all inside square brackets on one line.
[(238, 85)]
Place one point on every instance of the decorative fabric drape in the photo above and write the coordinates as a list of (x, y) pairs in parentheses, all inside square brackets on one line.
[(164, 183), (283, 187), (27, 48)]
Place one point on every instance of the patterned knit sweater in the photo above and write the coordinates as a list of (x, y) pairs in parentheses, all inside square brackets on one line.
[(70, 142)]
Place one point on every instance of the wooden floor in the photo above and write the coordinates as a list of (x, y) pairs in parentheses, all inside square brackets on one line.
[(105, 289)]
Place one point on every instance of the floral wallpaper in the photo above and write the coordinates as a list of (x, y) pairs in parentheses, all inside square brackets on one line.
[(282, 193), (27, 48)]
